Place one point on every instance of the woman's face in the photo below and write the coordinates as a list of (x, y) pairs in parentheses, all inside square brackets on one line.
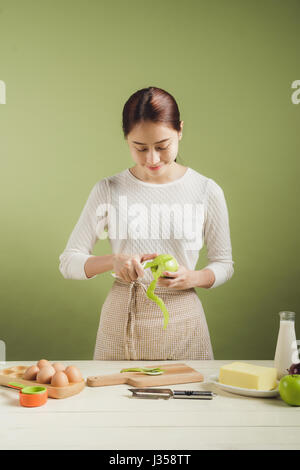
[(154, 145)]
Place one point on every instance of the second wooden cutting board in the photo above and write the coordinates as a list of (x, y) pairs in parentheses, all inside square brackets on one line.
[(174, 374)]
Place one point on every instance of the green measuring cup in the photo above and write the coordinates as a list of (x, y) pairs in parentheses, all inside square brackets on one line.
[(30, 395)]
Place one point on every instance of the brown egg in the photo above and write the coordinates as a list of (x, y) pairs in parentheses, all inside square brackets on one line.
[(43, 363), (74, 374), (59, 379), (45, 374), (31, 372), (58, 366)]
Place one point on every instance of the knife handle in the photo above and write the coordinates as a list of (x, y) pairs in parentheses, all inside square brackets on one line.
[(195, 394)]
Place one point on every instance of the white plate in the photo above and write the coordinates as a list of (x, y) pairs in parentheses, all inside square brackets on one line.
[(248, 392), (143, 264)]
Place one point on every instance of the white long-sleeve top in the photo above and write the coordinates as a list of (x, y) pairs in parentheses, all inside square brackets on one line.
[(138, 217)]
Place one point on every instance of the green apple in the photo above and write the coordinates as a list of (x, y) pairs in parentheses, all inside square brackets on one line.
[(289, 389), (165, 262)]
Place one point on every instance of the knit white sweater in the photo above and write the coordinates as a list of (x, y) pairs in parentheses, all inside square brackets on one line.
[(176, 218)]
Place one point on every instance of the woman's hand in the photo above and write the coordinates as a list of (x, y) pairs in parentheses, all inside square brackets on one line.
[(128, 267), (183, 278)]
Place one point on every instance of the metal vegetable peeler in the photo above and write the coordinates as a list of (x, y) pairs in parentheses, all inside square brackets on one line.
[(167, 393)]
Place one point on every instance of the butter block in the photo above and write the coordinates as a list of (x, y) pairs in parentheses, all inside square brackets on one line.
[(242, 374)]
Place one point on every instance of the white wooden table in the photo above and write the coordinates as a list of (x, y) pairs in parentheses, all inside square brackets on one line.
[(109, 418)]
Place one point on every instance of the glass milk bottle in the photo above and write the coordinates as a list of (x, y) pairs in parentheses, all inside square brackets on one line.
[(286, 349)]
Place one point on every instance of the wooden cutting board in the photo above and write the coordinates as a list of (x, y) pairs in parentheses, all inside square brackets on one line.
[(174, 374)]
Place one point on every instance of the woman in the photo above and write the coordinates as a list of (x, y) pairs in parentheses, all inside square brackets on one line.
[(129, 206)]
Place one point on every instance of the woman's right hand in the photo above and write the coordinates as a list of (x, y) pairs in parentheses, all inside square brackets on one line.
[(128, 267)]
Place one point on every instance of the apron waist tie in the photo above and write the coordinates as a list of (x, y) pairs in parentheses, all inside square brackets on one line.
[(129, 327)]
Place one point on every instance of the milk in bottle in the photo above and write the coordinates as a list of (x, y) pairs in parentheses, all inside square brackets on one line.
[(286, 349)]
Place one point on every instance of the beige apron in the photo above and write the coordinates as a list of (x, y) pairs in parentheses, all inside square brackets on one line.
[(131, 325)]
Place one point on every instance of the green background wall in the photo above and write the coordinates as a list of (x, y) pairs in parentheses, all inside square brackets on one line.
[(69, 66)]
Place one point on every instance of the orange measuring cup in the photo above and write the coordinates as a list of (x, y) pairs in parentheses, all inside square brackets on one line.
[(30, 396)]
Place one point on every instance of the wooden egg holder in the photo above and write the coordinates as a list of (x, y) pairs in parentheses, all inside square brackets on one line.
[(16, 373)]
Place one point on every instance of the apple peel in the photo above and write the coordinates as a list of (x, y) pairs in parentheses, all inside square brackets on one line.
[(160, 264)]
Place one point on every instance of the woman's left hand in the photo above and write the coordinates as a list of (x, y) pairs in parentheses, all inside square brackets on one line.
[(183, 278)]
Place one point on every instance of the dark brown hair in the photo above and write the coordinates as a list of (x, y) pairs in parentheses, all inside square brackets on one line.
[(150, 104)]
